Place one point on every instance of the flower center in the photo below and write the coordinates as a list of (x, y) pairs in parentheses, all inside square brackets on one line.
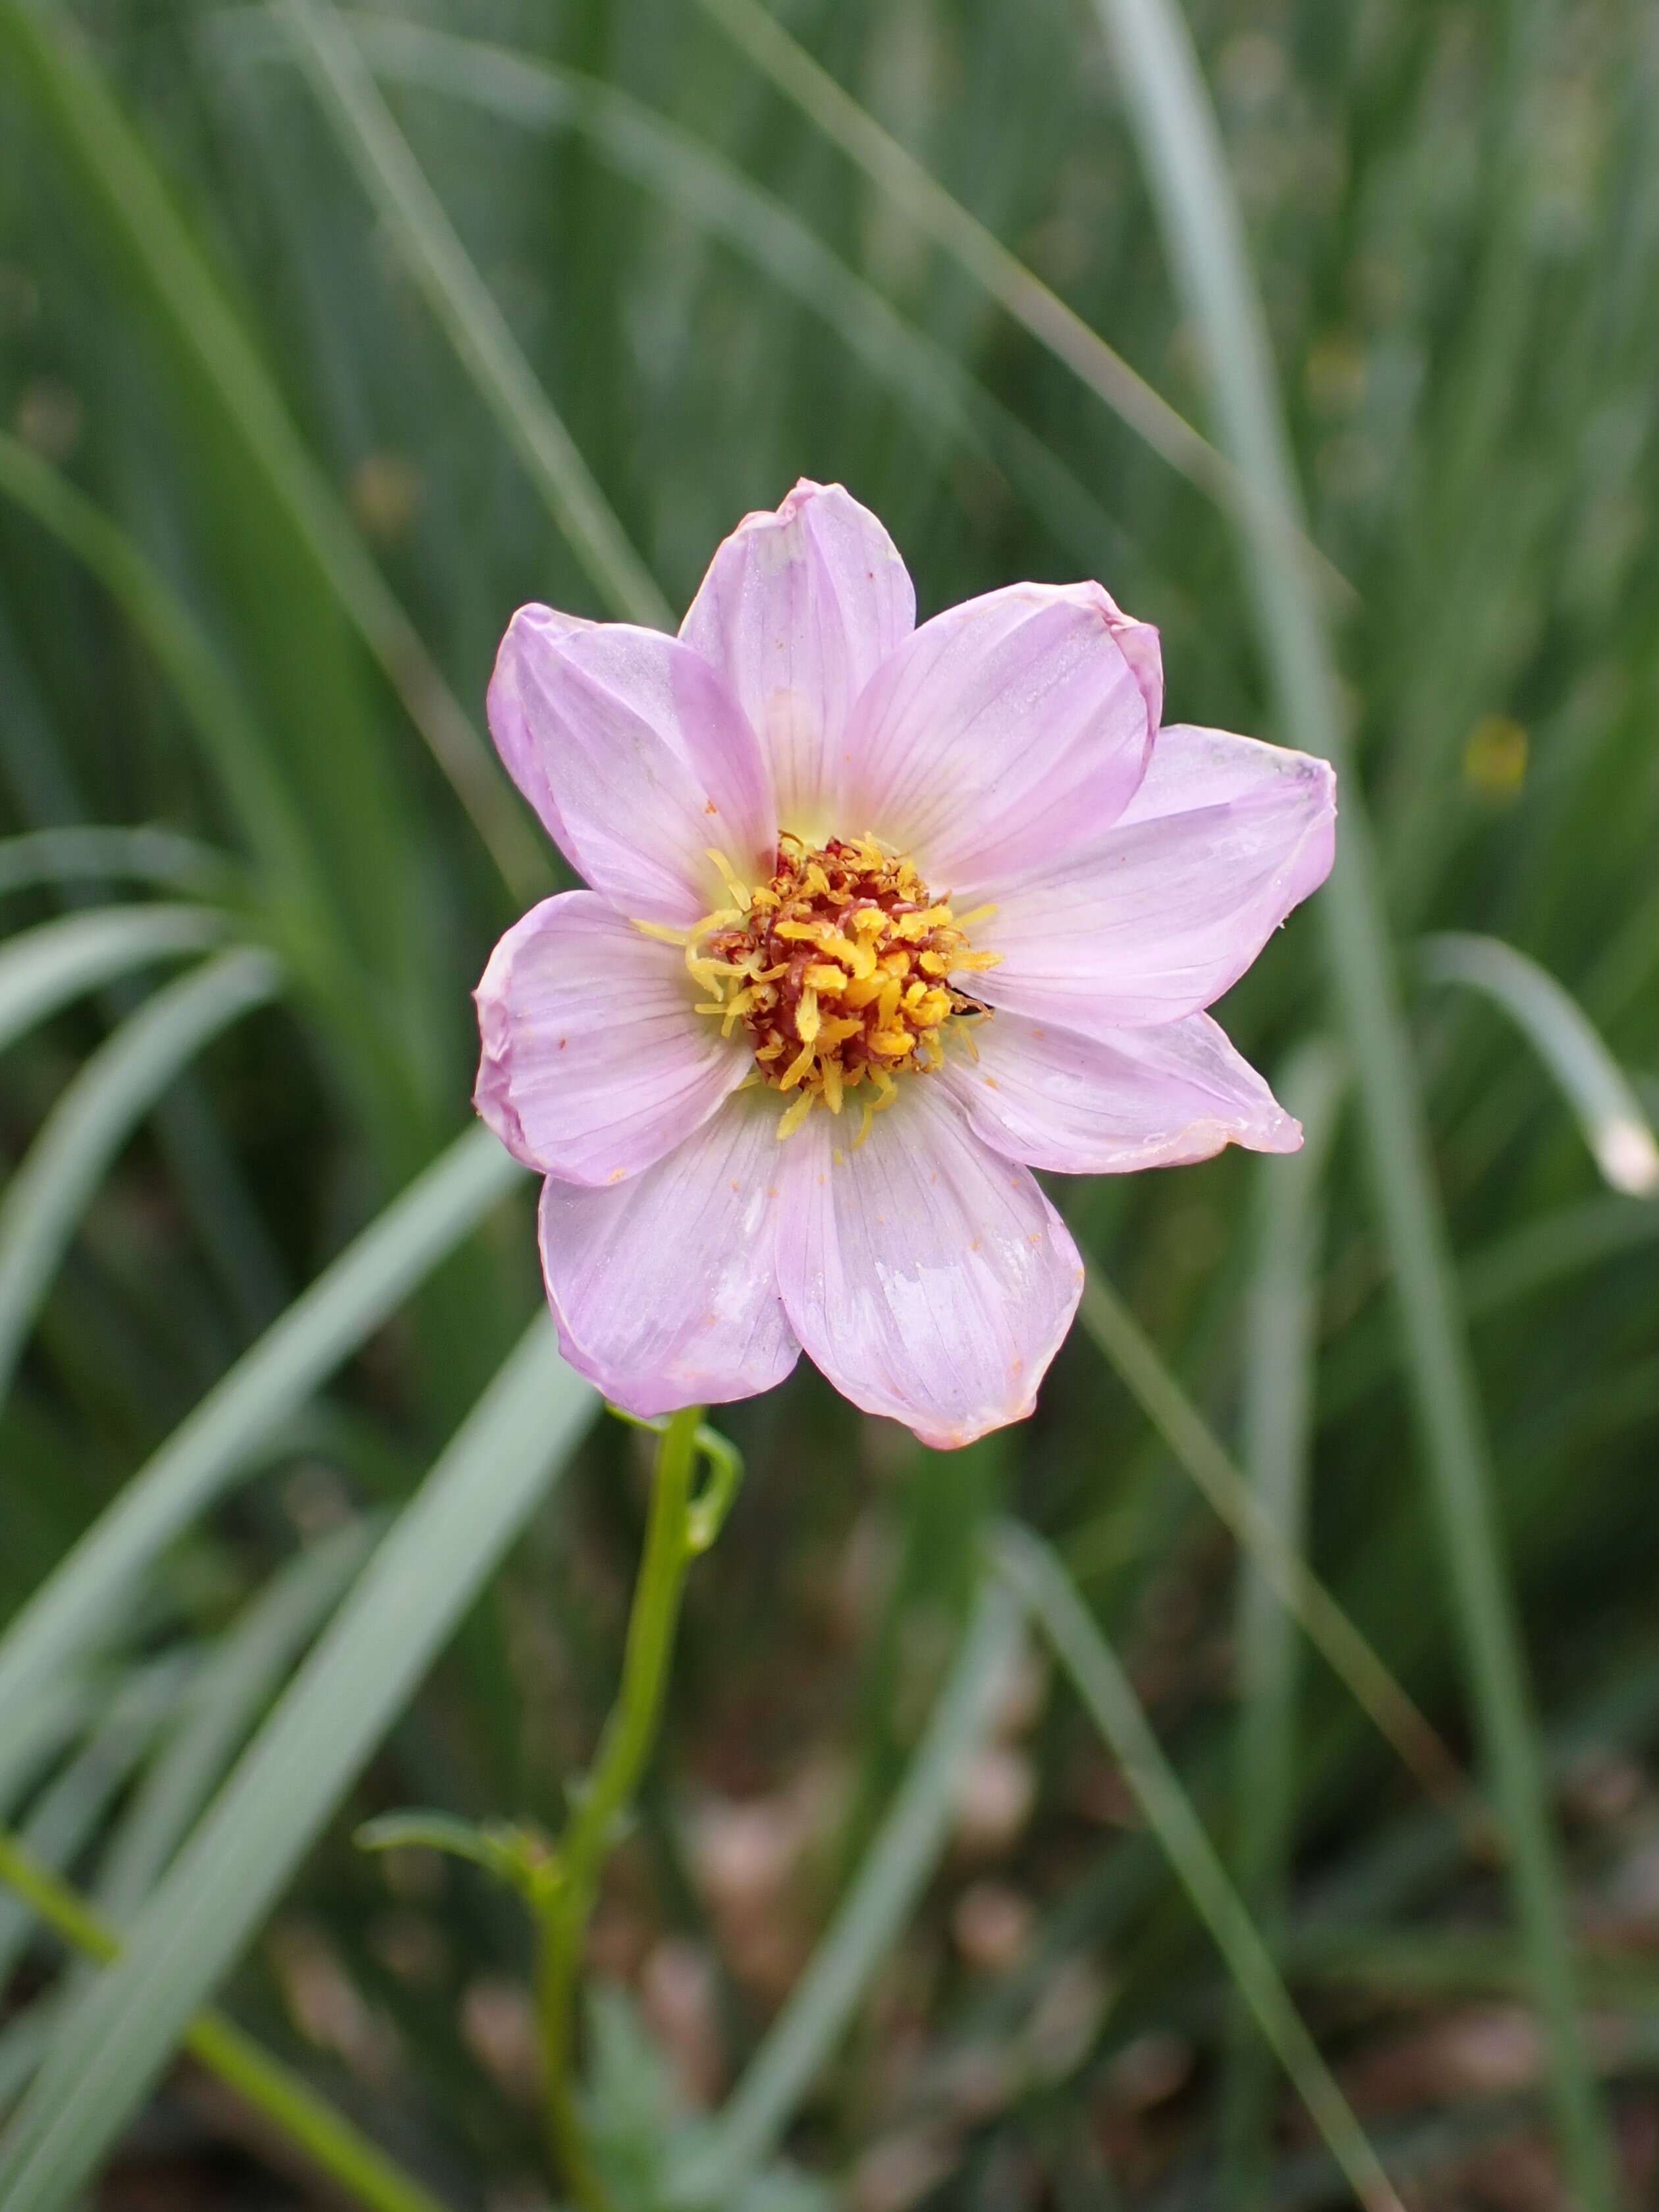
[(839, 967)]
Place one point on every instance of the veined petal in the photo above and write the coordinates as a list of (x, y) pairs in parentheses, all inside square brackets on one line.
[(664, 1287), (594, 1063), (798, 610), (1145, 1098), (929, 1279), (637, 757), (509, 724), (1005, 731), (1157, 919)]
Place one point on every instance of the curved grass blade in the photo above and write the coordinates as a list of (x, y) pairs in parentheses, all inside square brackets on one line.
[(285, 2101), (230, 741), (66, 1813), (146, 854), (1031, 1570), (1354, 1660), (74, 1611), (119, 2037), (55, 962), (696, 183), (97, 1115), (466, 308), (1616, 1128), (883, 1894), (229, 1689), (1022, 295), (52, 67), (1169, 110), (1281, 1323)]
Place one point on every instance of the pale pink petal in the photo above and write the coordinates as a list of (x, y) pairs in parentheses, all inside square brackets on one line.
[(798, 610), (1160, 916), (1003, 732), (594, 1063), (642, 759), (509, 726), (1145, 1098), (664, 1287), (929, 1279)]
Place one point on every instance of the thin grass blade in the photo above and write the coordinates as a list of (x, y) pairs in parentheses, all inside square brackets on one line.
[(56, 962), (1615, 1125), (1169, 110), (465, 306), (1281, 1323), (74, 1610), (883, 1894), (1030, 1570), (148, 854), (113, 1092), (117, 2038), (50, 62), (1350, 1656)]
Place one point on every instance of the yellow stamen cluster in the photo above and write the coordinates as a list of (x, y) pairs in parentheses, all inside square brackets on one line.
[(839, 967)]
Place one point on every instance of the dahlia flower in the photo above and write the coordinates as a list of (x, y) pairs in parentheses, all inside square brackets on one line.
[(881, 918)]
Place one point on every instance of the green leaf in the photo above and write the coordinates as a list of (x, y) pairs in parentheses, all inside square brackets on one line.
[(97, 1115), (56, 962), (146, 854), (118, 2038), (232, 1684), (77, 1607)]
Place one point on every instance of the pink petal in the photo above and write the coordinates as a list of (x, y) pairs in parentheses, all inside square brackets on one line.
[(798, 610), (1157, 918), (930, 1280), (637, 758), (1004, 731), (509, 724), (594, 1063), (1145, 1098), (664, 1287)]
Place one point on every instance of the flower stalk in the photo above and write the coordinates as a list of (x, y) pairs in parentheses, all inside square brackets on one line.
[(683, 1522)]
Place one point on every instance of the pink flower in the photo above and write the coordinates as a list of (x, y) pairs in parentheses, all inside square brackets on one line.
[(881, 918)]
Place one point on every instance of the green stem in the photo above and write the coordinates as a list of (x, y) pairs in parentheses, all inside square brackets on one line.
[(679, 1528), (278, 2094)]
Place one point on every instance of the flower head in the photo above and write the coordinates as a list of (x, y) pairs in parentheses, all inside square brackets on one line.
[(881, 918)]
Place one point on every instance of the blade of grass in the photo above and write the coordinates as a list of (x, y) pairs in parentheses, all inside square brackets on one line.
[(230, 1688), (465, 306), (859, 1940), (74, 1609), (146, 854), (94, 1120), (1030, 1569), (696, 183), (1616, 1128), (1350, 1657), (1281, 1324), (279, 2095), (50, 63), (1022, 295), (230, 741), (56, 962), (1170, 112), (68, 1811), (118, 2038)]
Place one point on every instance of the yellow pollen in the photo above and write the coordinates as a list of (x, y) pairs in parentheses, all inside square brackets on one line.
[(838, 967)]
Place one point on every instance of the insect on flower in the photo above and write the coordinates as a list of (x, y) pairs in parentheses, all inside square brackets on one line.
[(881, 918)]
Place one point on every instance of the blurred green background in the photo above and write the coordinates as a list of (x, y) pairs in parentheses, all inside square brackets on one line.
[(325, 342)]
